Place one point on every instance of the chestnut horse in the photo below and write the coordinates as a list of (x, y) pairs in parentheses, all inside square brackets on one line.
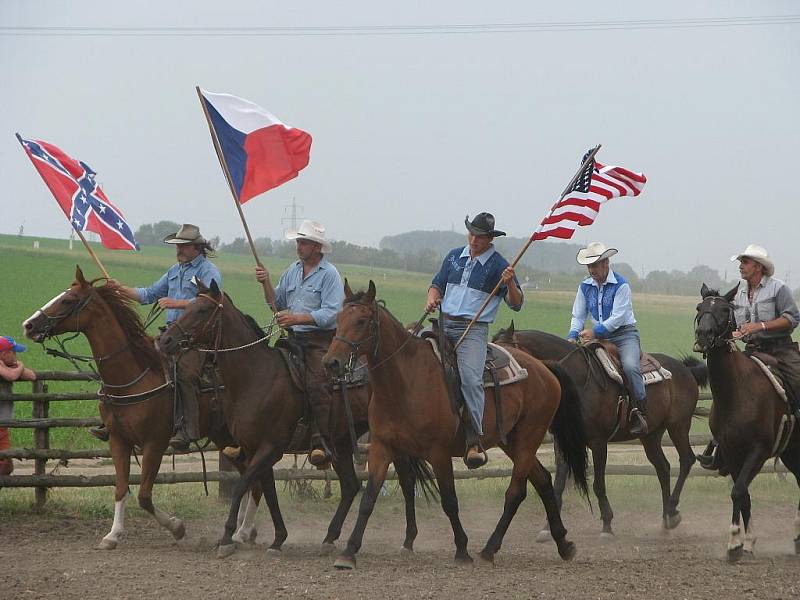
[(745, 417), (263, 407), (137, 406), (411, 414), (670, 406)]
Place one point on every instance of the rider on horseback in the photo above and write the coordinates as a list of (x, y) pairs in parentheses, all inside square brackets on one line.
[(766, 314), (466, 278), (605, 296), (308, 296), (173, 292)]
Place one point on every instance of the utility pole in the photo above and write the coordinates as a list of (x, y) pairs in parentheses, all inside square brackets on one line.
[(292, 218)]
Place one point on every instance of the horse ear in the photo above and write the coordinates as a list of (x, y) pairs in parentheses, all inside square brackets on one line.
[(371, 291), (348, 293), (79, 276), (704, 291), (731, 294), (214, 288)]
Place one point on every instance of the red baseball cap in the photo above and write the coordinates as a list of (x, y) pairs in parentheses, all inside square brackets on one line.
[(8, 343)]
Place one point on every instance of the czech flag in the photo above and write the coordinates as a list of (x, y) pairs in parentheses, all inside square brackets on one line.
[(260, 151)]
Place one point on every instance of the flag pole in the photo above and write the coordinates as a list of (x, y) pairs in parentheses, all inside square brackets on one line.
[(228, 177), (589, 157), (78, 231)]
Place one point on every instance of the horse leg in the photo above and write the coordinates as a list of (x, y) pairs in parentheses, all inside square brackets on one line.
[(349, 487), (655, 454), (151, 462), (443, 468), (245, 520), (408, 485), (558, 488), (740, 498), (599, 457), (267, 477), (791, 458), (121, 454), (378, 461), (679, 434)]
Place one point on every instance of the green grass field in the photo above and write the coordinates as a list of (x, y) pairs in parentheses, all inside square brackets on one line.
[(32, 277)]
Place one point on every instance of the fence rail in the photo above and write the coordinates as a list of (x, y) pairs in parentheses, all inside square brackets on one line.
[(41, 452)]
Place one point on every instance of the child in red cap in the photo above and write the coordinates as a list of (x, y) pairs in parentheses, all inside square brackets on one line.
[(11, 370)]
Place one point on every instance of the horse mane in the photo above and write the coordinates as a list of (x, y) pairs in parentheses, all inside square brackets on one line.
[(358, 298), (248, 319), (132, 327)]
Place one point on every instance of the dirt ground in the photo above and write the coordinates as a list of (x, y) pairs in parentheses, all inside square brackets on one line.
[(55, 558)]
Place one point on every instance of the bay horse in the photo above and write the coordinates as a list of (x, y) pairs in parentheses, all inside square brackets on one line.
[(263, 407), (745, 417), (138, 404), (411, 414), (670, 406)]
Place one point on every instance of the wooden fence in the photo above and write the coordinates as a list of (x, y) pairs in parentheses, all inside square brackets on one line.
[(41, 452)]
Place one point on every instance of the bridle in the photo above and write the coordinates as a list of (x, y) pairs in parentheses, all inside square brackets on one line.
[(75, 309), (722, 330), (214, 322)]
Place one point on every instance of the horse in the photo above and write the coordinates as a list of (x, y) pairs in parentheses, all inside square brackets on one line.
[(411, 414), (670, 406), (137, 400), (263, 407), (746, 418)]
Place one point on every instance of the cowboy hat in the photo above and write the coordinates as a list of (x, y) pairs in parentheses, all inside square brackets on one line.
[(313, 231), (758, 254), (187, 234), (482, 224), (594, 252)]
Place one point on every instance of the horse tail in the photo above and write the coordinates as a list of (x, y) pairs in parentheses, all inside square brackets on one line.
[(697, 368), (423, 475), (568, 430)]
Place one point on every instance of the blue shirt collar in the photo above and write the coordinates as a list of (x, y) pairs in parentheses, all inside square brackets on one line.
[(610, 279), (481, 258), (195, 262), (323, 264)]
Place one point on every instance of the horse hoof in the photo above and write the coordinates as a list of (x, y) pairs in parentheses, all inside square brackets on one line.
[(464, 559), (224, 551), (607, 536), (328, 548), (274, 551), (407, 549), (179, 531), (486, 557), (253, 535), (106, 544), (672, 521), (568, 551), (544, 536), (345, 563), (735, 554)]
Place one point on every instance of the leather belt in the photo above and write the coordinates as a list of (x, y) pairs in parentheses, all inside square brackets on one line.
[(455, 318)]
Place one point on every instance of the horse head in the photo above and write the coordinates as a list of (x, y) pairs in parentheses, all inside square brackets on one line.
[(198, 323), (356, 330), (714, 322), (67, 312)]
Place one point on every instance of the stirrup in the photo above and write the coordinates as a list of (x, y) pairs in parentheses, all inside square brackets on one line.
[(475, 457), (180, 441), (638, 423)]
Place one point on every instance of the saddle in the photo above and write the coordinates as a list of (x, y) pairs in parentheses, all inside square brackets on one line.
[(769, 365), (608, 356), (293, 357)]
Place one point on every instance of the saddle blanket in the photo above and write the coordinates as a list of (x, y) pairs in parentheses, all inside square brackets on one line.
[(508, 369), (774, 379), (652, 371)]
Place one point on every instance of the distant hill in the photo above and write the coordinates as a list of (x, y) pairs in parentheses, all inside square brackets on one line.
[(552, 257)]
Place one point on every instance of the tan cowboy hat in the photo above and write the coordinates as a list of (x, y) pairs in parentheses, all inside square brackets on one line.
[(311, 230), (758, 254), (593, 252), (187, 234)]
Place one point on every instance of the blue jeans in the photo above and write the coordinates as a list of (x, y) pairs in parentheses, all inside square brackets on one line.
[(626, 339), (471, 357)]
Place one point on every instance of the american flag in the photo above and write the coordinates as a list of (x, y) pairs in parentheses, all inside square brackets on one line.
[(73, 184), (580, 204)]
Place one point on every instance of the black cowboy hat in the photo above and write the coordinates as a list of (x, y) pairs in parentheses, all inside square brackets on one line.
[(482, 224)]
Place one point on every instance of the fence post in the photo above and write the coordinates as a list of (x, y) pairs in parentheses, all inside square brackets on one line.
[(225, 487), (41, 438)]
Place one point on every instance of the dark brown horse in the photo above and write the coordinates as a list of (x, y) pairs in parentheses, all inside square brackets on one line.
[(263, 407), (411, 414), (670, 406), (138, 404), (745, 417)]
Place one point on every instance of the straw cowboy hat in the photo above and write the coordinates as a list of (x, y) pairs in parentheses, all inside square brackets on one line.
[(187, 234), (758, 254), (593, 252), (313, 231)]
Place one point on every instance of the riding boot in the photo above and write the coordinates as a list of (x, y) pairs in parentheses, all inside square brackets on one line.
[(181, 439), (709, 459), (100, 432), (475, 455), (638, 419), (320, 455)]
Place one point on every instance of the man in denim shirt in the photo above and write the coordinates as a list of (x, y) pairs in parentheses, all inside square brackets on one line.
[(173, 292), (605, 296), (307, 299), (467, 277)]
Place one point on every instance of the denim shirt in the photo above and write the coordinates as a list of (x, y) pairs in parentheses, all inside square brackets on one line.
[(466, 282), (177, 284), (609, 306), (772, 299), (321, 294)]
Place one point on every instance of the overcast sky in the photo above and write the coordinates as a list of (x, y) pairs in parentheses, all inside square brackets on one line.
[(414, 128)]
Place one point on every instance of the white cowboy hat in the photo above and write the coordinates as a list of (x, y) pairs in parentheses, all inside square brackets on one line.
[(311, 230), (593, 252), (758, 254)]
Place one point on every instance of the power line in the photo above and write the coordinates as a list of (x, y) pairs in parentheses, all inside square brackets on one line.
[(401, 30)]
